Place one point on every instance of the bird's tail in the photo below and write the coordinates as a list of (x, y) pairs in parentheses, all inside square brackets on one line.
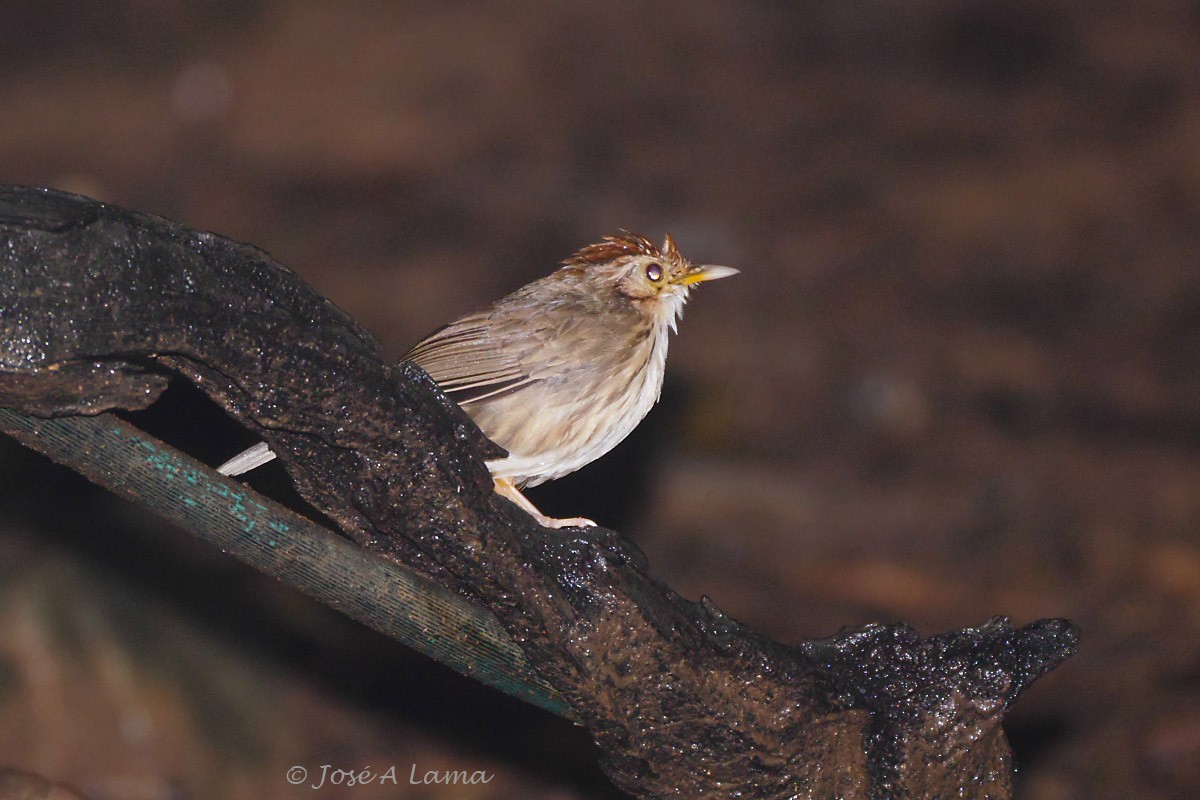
[(247, 460)]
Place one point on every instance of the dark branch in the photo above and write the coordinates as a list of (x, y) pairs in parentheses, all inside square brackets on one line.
[(682, 701), (329, 568)]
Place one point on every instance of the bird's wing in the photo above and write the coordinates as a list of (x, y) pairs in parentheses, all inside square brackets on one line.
[(469, 361)]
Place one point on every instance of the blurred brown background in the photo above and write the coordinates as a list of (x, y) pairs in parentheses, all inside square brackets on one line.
[(958, 376)]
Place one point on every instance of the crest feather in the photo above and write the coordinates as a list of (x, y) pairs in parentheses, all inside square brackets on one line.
[(623, 244), (669, 247)]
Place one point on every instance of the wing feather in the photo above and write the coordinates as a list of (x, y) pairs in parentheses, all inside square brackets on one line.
[(520, 341), (469, 362)]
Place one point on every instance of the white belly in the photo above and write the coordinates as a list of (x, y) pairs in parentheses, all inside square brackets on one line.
[(567, 433)]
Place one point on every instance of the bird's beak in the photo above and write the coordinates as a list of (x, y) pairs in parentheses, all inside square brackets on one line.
[(707, 272)]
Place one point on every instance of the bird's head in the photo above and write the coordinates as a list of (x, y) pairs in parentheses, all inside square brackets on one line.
[(656, 279)]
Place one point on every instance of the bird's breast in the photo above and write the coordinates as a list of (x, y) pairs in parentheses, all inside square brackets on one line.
[(571, 417)]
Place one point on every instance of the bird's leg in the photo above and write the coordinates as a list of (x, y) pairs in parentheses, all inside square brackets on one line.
[(506, 488)]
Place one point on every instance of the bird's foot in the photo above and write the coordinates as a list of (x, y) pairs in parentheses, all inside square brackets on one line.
[(506, 488), (567, 522)]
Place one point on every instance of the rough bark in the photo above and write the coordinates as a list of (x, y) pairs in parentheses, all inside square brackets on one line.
[(99, 304)]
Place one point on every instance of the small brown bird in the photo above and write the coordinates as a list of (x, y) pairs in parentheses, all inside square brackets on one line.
[(561, 370)]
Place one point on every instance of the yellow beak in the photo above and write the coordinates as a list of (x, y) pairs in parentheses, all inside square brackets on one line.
[(707, 272)]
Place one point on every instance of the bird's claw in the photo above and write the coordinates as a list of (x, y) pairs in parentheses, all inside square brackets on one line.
[(568, 522)]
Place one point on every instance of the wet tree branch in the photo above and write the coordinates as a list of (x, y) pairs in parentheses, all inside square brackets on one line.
[(98, 304)]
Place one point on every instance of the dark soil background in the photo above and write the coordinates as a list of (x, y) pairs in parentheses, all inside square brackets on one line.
[(958, 376)]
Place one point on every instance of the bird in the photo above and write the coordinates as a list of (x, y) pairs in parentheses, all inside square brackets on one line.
[(563, 369)]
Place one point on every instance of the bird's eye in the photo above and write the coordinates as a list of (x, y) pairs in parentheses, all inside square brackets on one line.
[(654, 272)]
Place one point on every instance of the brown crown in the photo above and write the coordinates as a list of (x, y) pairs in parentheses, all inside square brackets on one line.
[(623, 244)]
